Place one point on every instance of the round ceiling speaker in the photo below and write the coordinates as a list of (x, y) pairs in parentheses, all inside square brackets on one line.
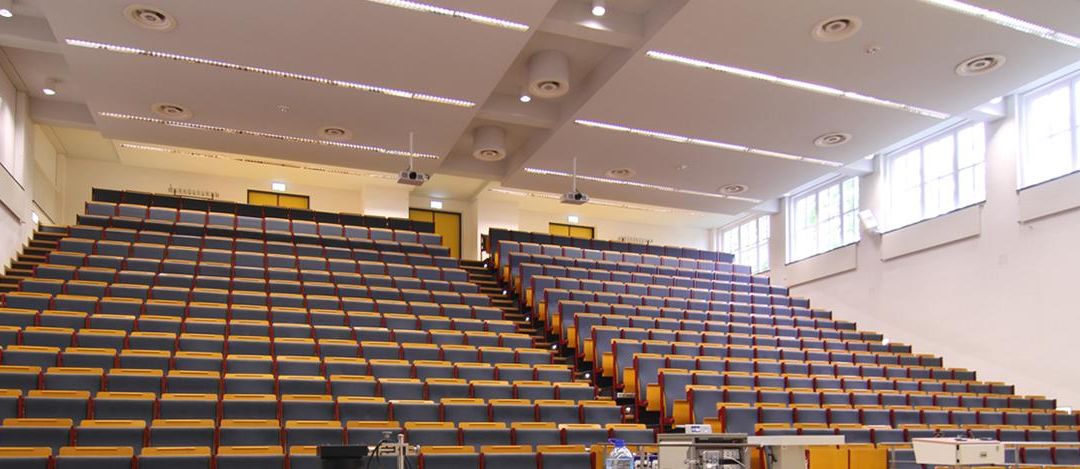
[(335, 133), (621, 173), (732, 189), (170, 111), (833, 139), (837, 28), (549, 74), (979, 65), (489, 143), (149, 17)]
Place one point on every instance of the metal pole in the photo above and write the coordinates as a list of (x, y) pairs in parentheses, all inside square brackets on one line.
[(402, 449)]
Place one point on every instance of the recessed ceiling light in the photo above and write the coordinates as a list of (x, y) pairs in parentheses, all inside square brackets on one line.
[(980, 65), (732, 189), (149, 17), (266, 135), (796, 84), (525, 98), (50, 88), (436, 204), (705, 143), (620, 173), (599, 8), (259, 161), (7, 9), (170, 111), (1007, 21), (278, 186), (272, 73), (335, 133), (837, 28), (473, 17), (639, 185), (833, 139)]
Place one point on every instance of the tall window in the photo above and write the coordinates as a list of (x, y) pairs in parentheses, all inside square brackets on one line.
[(1050, 118), (937, 175), (749, 242), (823, 219)]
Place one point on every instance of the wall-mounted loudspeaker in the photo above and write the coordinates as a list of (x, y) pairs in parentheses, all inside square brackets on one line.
[(869, 221)]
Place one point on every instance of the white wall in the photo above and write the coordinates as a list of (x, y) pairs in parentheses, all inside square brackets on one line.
[(17, 177), (997, 297)]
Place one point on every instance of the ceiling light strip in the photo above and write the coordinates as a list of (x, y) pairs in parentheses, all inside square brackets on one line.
[(473, 17), (1007, 21), (250, 160), (604, 203), (706, 143), (271, 72), (796, 84), (640, 185), (266, 135)]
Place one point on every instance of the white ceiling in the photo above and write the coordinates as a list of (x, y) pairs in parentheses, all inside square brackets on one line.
[(612, 81)]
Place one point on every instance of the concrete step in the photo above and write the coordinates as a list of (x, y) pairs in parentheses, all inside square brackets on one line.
[(23, 265), (37, 251), (18, 274), (43, 244)]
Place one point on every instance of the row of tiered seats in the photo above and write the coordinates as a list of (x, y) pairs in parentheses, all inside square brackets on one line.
[(297, 457), (156, 327), (496, 235), (698, 341)]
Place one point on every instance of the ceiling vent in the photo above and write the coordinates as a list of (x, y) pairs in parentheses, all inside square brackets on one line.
[(549, 74), (334, 133), (149, 18), (171, 111), (834, 139), (732, 189), (621, 173), (980, 65), (489, 143), (837, 28)]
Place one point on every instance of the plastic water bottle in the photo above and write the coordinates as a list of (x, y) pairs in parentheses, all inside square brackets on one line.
[(620, 456)]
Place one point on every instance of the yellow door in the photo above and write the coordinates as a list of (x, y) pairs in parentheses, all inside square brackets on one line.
[(293, 201), (581, 232), (262, 198), (274, 199), (573, 231), (447, 225)]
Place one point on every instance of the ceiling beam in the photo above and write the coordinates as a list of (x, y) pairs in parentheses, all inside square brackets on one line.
[(25, 32), (60, 113)]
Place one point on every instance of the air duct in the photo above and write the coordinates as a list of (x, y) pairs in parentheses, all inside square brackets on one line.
[(489, 143), (549, 74)]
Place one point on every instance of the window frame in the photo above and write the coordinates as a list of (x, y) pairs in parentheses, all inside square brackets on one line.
[(1071, 83), (792, 229), (888, 167), (758, 246)]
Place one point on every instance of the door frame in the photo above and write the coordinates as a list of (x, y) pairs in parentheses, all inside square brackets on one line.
[(461, 227)]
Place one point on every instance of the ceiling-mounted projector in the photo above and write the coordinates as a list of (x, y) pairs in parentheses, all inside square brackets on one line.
[(412, 178), (574, 198)]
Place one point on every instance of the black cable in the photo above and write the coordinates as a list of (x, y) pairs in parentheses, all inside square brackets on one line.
[(376, 456)]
